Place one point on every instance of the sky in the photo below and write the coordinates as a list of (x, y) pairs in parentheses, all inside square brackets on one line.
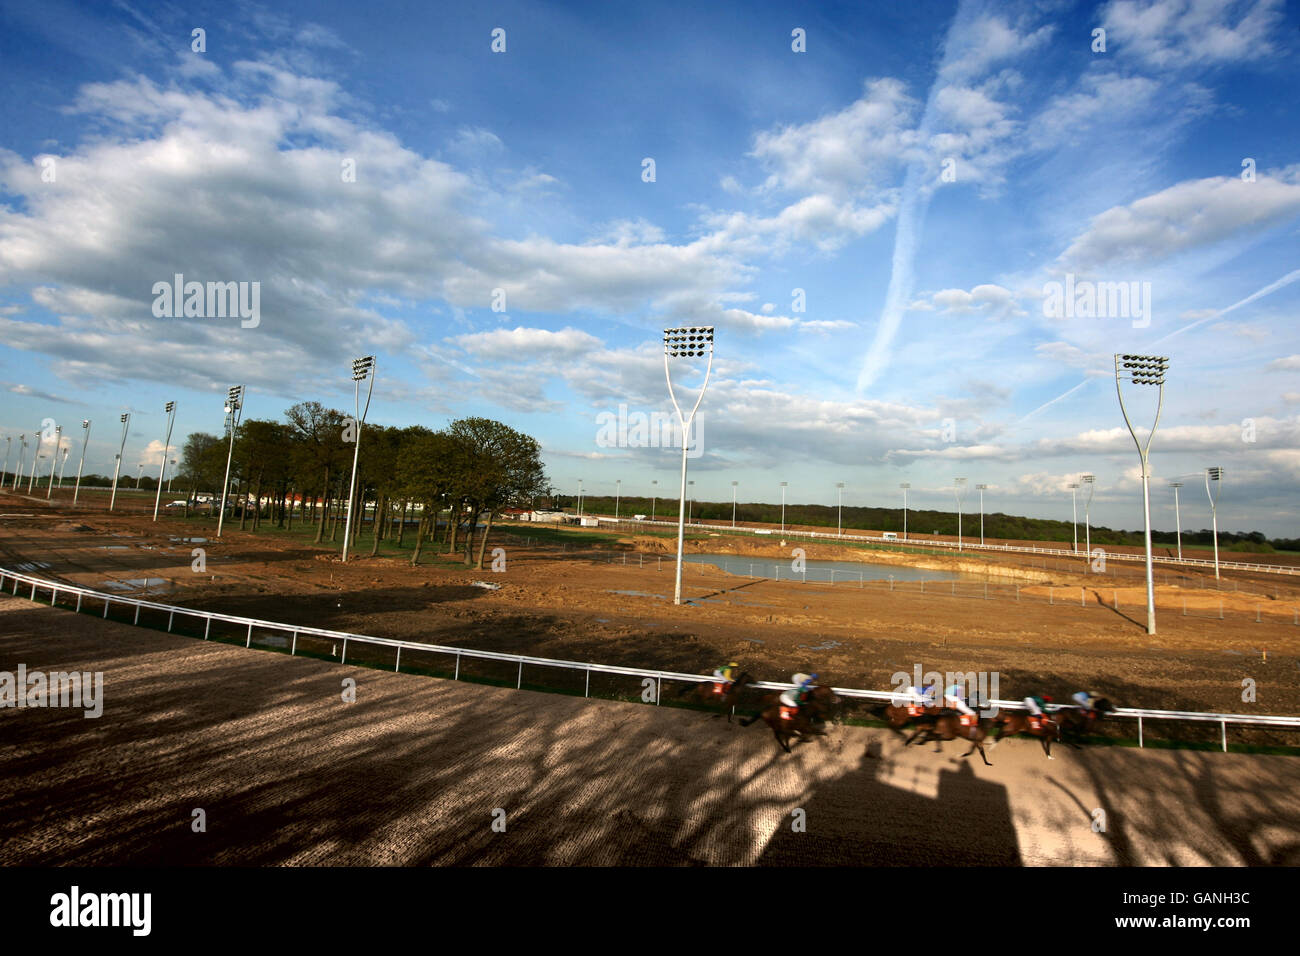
[(894, 217)]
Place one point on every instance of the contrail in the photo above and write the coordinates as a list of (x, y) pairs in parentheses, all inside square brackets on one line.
[(912, 210), (1272, 287)]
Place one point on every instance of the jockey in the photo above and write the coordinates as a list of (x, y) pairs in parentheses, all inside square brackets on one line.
[(925, 695), (955, 699), (795, 697), (723, 675), (1035, 705), (1085, 699)]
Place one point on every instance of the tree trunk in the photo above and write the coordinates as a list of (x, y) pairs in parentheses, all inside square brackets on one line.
[(482, 545), (401, 529), (288, 497), (419, 540), (379, 508), (325, 498), (453, 525), (469, 534)]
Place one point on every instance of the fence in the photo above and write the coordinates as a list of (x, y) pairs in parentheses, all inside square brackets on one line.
[(56, 588)]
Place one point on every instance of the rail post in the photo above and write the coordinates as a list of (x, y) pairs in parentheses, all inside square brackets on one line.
[(398, 666), (293, 648), (137, 615), (1140, 730), (344, 658), (519, 679), (170, 616), (207, 626), (587, 690), (1224, 725), (105, 608), (456, 675)]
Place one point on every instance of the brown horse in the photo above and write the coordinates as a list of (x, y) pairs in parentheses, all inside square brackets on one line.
[(820, 704), (1078, 722), (718, 695), (1046, 729), (949, 725), (899, 717)]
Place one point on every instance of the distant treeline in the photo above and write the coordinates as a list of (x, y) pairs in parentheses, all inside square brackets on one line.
[(996, 524)]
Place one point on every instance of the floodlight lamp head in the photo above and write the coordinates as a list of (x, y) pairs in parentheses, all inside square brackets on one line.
[(1215, 474), (85, 423), (982, 487), (905, 484), (688, 342), (361, 367), (1175, 484), (1088, 479), (125, 416), (171, 407), (1144, 369)]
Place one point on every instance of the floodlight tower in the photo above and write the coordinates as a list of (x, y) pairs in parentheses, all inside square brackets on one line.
[(1091, 482), (695, 342), (22, 453), (958, 487), (618, 490), (171, 477), (9, 440), (982, 489), (1144, 370), (31, 478), (363, 369), (690, 506), (1074, 512), (54, 459), (1214, 474), (839, 522), (63, 466), (85, 440), (1178, 521), (654, 495), (117, 463), (170, 411), (905, 485), (733, 502), (580, 500), (139, 470), (233, 408), (783, 487)]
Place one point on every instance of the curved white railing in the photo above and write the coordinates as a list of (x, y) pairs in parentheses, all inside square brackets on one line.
[(55, 588)]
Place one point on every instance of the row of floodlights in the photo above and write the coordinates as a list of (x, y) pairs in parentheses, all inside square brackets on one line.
[(1144, 369), (688, 342)]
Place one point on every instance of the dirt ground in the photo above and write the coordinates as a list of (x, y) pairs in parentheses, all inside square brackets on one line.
[(594, 607), (417, 770)]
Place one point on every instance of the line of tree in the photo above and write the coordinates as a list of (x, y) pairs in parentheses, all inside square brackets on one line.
[(473, 469), (996, 524)]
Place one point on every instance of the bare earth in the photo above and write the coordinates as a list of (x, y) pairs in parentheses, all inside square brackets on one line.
[(287, 773)]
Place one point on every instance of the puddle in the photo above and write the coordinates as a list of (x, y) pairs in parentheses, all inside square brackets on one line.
[(189, 540), (135, 584), (827, 646), (114, 547), (639, 594)]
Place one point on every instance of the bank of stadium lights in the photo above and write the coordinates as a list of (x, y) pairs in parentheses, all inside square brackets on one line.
[(1144, 370), (54, 460), (233, 408), (905, 485), (1074, 512), (1178, 520), (1091, 482), (839, 523), (690, 343), (1215, 475), (363, 369), (958, 489), (170, 411), (117, 463), (982, 489)]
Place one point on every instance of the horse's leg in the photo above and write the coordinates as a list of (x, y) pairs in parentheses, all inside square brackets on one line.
[(983, 756)]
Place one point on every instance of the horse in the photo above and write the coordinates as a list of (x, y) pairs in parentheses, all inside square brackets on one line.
[(718, 694), (950, 725), (899, 717), (1078, 722), (1047, 729), (820, 704)]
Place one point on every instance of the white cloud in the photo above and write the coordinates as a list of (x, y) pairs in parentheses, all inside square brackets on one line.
[(1193, 33)]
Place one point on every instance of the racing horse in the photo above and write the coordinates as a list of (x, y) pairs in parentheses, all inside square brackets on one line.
[(950, 725), (821, 703), (1047, 728), (899, 717), (1078, 722), (716, 694)]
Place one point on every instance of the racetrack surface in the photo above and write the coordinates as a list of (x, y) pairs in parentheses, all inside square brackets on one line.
[(287, 773)]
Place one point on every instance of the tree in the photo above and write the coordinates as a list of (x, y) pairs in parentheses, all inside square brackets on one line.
[(505, 468)]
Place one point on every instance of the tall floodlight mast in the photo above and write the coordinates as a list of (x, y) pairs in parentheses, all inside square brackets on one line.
[(1091, 482), (117, 464), (783, 487), (982, 489), (22, 453), (654, 496), (234, 406), (31, 478), (363, 369), (1215, 475), (1178, 518), (958, 489), (9, 440), (696, 342), (733, 502), (54, 459), (1074, 512), (839, 522), (170, 411), (1144, 370), (905, 485)]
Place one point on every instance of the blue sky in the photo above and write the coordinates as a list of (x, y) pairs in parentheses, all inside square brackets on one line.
[(922, 172)]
